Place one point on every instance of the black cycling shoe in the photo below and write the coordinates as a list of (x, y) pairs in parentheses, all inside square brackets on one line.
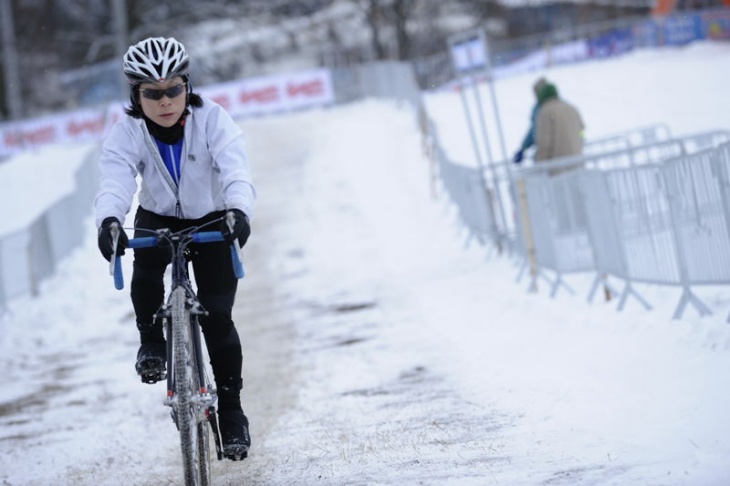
[(236, 440), (151, 359)]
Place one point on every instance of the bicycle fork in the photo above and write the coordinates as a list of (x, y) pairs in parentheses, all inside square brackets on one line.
[(205, 388), (206, 398)]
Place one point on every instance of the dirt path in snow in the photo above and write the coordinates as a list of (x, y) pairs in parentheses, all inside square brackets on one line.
[(338, 375), (265, 311)]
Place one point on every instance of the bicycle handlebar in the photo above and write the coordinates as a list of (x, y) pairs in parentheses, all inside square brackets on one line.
[(202, 237)]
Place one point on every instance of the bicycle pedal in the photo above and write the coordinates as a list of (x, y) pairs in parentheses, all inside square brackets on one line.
[(235, 452), (151, 369), (152, 377)]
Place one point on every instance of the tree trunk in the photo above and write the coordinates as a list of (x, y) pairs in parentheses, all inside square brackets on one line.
[(375, 17), (401, 11)]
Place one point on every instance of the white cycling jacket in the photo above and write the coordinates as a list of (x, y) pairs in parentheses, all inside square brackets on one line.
[(214, 169)]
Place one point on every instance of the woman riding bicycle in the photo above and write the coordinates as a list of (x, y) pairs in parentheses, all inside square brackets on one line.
[(190, 157)]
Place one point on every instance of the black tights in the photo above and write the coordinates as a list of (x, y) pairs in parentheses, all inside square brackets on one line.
[(216, 285)]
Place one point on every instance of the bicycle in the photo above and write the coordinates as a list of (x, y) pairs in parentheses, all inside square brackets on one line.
[(189, 393)]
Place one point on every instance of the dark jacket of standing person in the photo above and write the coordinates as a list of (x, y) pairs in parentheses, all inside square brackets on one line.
[(529, 139)]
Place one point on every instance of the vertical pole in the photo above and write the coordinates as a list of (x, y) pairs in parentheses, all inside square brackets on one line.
[(471, 54), (490, 83), (472, 135), (482, 122), (497, 118), (489, 193), (119, 17), (530, 252), (13, 93), (488, 71)]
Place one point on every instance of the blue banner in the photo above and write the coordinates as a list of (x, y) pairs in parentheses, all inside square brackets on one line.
[(682, 29), (716, 25)]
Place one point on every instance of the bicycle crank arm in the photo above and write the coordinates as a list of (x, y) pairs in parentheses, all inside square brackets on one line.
[(210, 413)]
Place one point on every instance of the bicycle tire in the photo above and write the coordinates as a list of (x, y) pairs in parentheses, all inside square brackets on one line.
[(204, 453), (202, 430), (186, 390)]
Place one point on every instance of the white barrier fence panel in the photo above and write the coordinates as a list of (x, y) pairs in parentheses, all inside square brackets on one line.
[(32, 254), (694, 190), (472, 198), (630, 138), (649, 209), (15, 279), (630, 227), (558, 222)]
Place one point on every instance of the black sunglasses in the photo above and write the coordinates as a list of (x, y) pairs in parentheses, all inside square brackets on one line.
[(157, 94)]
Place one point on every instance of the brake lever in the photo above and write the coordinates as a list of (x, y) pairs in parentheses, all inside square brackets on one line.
[(230, 221), (115, 232)]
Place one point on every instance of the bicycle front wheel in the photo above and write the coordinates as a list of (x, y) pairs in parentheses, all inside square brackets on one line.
[(192, 427), (204, 453), (202, 429)]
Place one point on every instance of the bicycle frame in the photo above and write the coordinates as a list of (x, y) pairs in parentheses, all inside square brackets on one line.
[(191, 398)]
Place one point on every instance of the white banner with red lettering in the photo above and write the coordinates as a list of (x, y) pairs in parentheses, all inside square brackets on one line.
[(271, 94), (249, 97)]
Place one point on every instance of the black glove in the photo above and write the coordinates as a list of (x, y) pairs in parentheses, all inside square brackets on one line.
[(518, 156), (105, 238), (241, 229)]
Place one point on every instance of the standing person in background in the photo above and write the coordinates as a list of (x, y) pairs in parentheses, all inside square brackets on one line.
[(190, 157), (529, 139), (558, 134), (558, 127)]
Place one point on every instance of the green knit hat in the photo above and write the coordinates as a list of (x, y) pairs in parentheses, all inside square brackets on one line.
[(546, 92)]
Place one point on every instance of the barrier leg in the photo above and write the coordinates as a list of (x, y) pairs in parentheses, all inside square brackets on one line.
[(629, 290), (560, 282), (594, 288), (608, 290), (689, 298)]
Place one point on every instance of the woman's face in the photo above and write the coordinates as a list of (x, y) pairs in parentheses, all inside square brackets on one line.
[(168, 109)]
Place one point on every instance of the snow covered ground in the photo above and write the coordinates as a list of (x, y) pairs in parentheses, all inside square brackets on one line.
[(379, 350)]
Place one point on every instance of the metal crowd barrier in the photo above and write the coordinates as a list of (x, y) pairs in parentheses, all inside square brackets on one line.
[(630, 138), (631, 236), (472, 198), (703, 141), (645, 208), (698, 191), (557, 215), (30, 255), (558, 222), (668, 224)]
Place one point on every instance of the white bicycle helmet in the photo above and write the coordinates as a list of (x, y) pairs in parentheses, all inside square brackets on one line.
[(155, 59)]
